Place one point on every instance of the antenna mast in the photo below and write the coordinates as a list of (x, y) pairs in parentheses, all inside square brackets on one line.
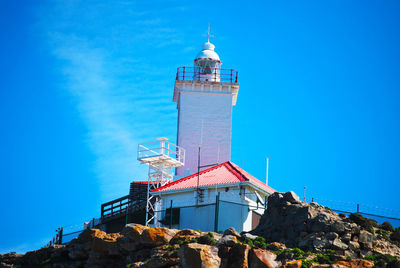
[(266, 180)]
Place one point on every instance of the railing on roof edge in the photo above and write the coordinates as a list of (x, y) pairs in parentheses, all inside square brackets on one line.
[(207, 74)]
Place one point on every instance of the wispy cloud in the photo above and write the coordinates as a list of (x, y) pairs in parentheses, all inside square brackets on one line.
[(122, 97)]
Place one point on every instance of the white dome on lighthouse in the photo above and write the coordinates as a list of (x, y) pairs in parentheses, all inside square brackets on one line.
[(207, 53)]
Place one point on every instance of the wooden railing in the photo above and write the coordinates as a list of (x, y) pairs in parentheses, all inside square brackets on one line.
[(122, 205)]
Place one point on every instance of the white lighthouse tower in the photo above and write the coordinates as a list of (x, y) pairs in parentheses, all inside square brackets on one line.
[(205, 95)]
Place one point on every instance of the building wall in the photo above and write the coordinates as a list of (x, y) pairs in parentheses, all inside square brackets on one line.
[(206, 119), (203, 217)]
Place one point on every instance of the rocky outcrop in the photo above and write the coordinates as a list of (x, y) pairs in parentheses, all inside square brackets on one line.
[(290, 234), (312, 227)]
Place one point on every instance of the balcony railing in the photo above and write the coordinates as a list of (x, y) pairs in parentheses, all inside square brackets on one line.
[(207, 74)]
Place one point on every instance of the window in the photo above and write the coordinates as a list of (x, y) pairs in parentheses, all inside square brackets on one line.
[(175, 217)]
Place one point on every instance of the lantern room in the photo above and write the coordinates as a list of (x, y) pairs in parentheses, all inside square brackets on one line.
[(207, 64)]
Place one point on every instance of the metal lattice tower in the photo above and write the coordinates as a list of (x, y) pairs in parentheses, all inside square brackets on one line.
[(161, 156)]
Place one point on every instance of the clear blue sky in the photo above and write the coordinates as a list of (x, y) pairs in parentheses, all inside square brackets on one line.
[(83, 82)]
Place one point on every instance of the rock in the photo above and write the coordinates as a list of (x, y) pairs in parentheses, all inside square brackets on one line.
[(78, 252), (238, 256), (276, 246), (228, 240), (185, 235), (338, 227), (346, 237), (249, 236), (133, 231), (156, 236), (318, 265), (291, 197), (338, 244), (8, 259), (384, 247), (293, 264), (231, 231), (163, 256), (321, 243), (195, 255), (131, 234), (366, 239), (350, 254), (331, 236), (355, 263), (311, 226), (260, 258), (354, 245), (37, 257)]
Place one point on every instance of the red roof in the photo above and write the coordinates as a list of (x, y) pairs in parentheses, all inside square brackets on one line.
[(225, 173)]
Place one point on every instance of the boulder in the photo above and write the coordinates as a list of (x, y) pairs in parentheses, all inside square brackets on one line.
[(249, 236), (133, 231), (366, 239), (355, 263), (331, 236), (163, 256), (195, 255), (228, 240), (231, 231), (354, 245), (293, 264), (276, 246), (338, 244), (238, 256), (260, 258), (130, 238), (185, 235), (321, 243), (156, 236), (291, 197)]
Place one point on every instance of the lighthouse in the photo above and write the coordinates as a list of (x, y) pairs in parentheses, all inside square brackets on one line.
[(205, 94)]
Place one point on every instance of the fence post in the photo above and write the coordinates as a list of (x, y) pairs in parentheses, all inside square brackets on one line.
[(216, 213), (126, 216), (170, 216), (183, 73), (358, 208), (60, 235)]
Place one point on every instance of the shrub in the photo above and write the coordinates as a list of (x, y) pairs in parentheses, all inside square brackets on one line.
[(249, 242), (307, 263), (365, 223), (260, 242), (207, 239), (395, 236), (387, 226), (380, 259), (329, 251), (322, 259)]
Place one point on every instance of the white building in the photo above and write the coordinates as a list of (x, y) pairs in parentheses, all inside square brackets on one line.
[(229, 197), (205, 95)]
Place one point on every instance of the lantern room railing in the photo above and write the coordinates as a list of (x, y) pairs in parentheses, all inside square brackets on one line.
[(207, 74)]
